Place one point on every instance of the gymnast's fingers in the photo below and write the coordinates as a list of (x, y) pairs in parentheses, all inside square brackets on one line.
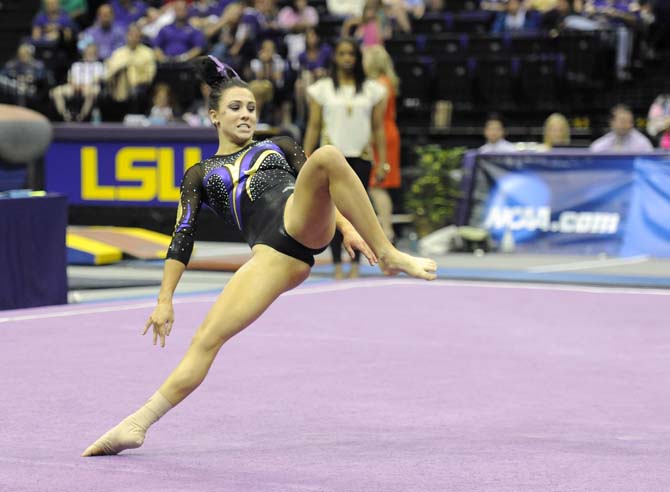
[(350, 250), (162, 335), (146, 327)]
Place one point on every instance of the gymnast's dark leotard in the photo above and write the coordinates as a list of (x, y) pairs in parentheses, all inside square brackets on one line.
[(249, 188)]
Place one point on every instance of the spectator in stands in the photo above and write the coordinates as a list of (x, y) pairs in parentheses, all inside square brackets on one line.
[(105, 34), (295, 19), (623, 137), (268, 15), (179, 42), (130, 71), (556, 131), (23, 78), (553, 20), (83, 81), (658, 121), (623, 17), (345, 8), (312, 66), (316, 57), (198, 112), (229, 35), (272, 67), (157, 17), (385, 176), (163, 110), (128, 12), (52, 26), (515, 18), (347, 111), (371, 28), (494, 133), (206, 8), (76, 9)]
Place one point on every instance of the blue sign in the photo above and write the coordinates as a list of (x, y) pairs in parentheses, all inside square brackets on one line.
[(575, 203)]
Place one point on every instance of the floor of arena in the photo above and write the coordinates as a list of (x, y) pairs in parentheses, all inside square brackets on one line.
[(367, 385)]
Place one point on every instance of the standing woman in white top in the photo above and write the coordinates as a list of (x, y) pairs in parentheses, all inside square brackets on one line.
[(347, 111)]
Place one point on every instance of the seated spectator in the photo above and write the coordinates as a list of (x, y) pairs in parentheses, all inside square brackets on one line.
[(83, 82), (164, 109), (494, 133), (515, 18), (128, 12), (553, 20), (345, 8), (130, 71), (312, 65), (621, 17), (207, 8), (372, 28), (52, 25), (272, 67), (179, 42), (105, 34), (76, 9), (197, 113), (22, 78), (658, 121), (229, 35), (623, 137), (556, 131), (265, 15), (295, 19)]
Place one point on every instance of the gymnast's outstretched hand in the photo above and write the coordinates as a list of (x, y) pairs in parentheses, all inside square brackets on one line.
[(161, 320), (352, 240)]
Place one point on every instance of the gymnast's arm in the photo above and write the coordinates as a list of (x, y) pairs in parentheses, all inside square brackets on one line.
[(178, 253)]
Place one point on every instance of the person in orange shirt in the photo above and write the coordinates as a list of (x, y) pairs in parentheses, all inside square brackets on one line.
[(379, 66)]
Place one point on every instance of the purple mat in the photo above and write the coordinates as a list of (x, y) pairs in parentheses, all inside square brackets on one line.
[(385, 385)]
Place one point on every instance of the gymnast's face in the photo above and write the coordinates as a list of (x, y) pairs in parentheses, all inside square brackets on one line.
[(237, 115)]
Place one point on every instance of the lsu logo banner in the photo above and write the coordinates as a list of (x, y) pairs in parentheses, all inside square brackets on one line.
[(118, 174)]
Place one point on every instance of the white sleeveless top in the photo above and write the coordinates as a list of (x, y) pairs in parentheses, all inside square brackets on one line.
[(347, 115)]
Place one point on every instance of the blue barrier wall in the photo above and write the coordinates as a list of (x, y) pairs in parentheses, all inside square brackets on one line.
[(571, 202)]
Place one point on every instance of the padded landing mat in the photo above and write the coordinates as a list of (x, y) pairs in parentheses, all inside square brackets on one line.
[(133, 241), (369, 386)]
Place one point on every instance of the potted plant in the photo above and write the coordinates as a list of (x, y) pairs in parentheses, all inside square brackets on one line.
[(433, 195)]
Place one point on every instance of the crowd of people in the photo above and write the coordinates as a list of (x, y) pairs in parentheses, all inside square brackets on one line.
[(623, 137), (275, 45)]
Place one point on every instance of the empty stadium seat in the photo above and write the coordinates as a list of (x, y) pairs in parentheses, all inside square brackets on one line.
[(454, 80)]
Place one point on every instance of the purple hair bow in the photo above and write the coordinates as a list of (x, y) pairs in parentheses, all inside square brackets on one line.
[(222, 68)]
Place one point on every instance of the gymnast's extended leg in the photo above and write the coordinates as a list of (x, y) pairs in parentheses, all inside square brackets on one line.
[(246, 296), (327, 181)]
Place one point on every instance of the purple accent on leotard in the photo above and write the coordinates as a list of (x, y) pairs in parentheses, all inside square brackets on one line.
[(185, 221), (225, 173)]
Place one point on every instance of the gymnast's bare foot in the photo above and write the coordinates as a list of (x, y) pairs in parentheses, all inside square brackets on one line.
[(395, 261), (127, 435)]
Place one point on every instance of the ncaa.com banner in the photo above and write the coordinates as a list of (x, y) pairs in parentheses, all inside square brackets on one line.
[(575, 203)]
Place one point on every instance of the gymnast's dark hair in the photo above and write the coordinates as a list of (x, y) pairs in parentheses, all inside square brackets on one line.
[(359, 73), (217, 75)]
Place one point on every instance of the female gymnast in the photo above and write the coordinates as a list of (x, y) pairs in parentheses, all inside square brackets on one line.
[(287, 208)]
